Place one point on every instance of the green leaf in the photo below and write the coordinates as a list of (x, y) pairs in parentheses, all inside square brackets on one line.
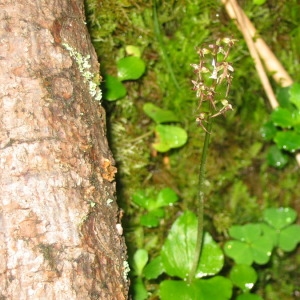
[(289, 238), (140, 259), (158, 114), (152, 218), (169, 137), (216, 288), (240, 252), (243, 276), (276, 158), (295, 94), (130, 68), (154, 268), (268, 131), (283, 96), (179, 248), (252, 245), (271, 233), (245, 233), (113, 88), (140, 292), (166, 197), (282, 117), (141, 199), (288, 140), (280, 218)]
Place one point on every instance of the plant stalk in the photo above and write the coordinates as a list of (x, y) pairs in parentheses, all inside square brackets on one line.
[(200, 203)]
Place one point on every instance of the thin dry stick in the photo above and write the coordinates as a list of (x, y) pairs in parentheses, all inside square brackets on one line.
[(258, 64), (273, 65), (271, 62)]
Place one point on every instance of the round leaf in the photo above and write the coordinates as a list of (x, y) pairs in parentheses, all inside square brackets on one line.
[(159, 115), (288, 140), (169, 137), (113, 88), (130, 68), (243, 276)]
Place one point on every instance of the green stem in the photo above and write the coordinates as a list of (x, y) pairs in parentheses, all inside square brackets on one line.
[(200, 204)]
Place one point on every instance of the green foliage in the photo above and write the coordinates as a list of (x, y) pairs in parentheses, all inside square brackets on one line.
[(167, 136), (243, 276), (129, 68), (284, 126), (217, 288), (178, 250), (155, 213), (158, 114), (114, 89), (255, 242), (250, 245)]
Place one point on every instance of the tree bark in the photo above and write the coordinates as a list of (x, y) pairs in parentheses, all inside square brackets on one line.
[(60, 234)]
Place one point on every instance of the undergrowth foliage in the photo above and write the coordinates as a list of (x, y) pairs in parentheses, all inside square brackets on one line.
[(190, 262)]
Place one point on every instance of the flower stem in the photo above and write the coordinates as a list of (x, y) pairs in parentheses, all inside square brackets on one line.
[(200, 203)]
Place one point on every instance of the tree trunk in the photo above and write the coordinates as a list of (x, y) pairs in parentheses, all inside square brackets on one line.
[(60, 236)]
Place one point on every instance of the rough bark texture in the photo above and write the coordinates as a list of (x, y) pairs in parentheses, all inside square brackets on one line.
[(58, 217)]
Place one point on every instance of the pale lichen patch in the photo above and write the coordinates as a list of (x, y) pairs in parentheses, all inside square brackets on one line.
[(84, 66)]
